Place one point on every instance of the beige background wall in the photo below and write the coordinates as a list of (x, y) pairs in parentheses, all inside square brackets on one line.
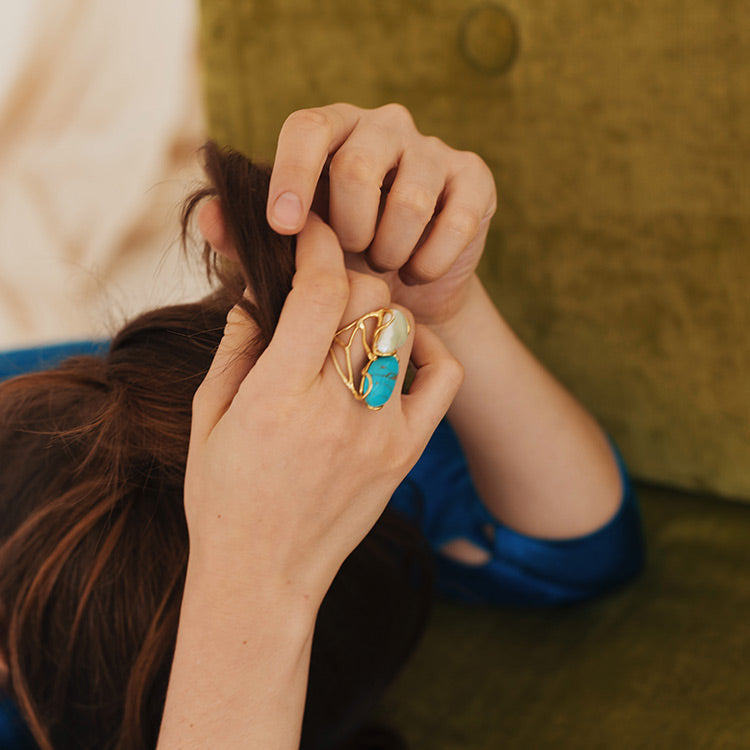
[(99, 123), (619, 138)]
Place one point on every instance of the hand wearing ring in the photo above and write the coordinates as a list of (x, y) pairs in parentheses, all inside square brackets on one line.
[(378, 376)]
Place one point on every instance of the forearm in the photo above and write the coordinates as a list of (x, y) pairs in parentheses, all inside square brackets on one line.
[(539, 461), (239, 673)]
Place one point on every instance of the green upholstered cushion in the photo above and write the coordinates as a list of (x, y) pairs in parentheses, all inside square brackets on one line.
[(662, 663), (618, 136)]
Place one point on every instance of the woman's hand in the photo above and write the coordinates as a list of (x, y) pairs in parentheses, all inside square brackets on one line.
[(418, 210), (286, 474), (403, 205), (286, 471), (411, 205)]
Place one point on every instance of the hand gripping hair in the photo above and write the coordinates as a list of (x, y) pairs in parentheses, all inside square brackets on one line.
[(93, 539)]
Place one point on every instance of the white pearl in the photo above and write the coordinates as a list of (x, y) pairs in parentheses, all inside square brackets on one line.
[(393, 335)]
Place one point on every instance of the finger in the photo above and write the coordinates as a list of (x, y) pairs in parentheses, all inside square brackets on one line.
[(366, 293), (233, 360), (212, 226), (409, 207), (438, 377), (468, 204), (306, 139), (312, 311), (356, 174)]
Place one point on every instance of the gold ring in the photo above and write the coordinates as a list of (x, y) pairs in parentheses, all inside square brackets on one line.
[(377, 378)]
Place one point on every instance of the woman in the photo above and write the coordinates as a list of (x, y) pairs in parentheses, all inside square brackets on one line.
[(117, 634)]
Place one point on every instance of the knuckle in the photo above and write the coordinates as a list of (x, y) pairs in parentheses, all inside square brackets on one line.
[(463, 222), (413, 199), (384, 260), (435, 144), (426, 268), (308, 120), (326, 293), (372, 288), (354, 165), (474, 161), (483, 176), (323, 305), (334, 289), (398, 113)]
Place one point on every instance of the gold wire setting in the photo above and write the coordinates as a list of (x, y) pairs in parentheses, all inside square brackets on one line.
[(345, 340)]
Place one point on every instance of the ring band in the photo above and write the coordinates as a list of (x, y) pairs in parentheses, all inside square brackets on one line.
[(378, 377)]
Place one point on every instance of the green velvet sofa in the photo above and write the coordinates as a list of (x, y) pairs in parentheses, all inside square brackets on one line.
[(618, 135)]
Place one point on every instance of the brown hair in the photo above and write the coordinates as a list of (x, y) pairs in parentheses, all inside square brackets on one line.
[(93, 540)]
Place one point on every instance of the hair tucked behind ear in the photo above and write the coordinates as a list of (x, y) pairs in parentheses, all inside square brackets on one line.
[(93, 540)]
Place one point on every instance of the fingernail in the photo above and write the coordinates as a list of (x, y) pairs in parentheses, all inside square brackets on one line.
[(287, 210)]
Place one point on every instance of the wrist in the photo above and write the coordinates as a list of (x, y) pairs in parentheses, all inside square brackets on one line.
[(237, 594), (240, 666)]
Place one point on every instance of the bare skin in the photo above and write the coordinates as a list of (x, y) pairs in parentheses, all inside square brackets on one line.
[(540, 462), (277, 496), (406, 223), (411, 216)]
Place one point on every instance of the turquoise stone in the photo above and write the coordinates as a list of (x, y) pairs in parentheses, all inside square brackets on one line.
[(379, 380)]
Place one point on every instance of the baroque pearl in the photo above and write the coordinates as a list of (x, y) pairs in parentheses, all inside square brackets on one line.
[(393, 335)]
